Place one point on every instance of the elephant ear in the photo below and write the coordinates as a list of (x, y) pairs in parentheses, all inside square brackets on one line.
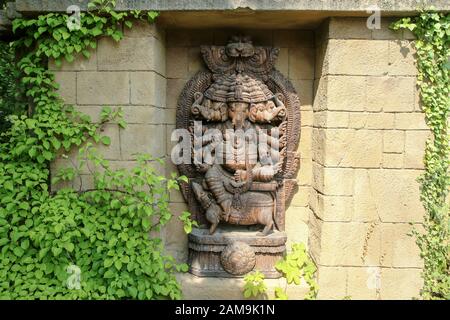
[(252, 111)]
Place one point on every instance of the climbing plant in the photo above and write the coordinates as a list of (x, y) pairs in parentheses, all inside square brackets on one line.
[(432, 30), (295, 266), (89, 242)]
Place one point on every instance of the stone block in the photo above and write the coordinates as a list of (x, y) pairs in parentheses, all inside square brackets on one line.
[(304, 176), (415, 142), (393, 141), (399, 248), (67, 86), (392, 160), (306, 117), (331, 119), (350, 244), (189, 37), (143, 29), (305, 92), (195, 61), (393, 94), (318, 141), (301, 63), (364, 201), (111, 152), (174, 89), (148, 88), (410, 121), (293, 38), (282, 63), (357, 57), (80, 63), (402, 58), (349, 28), (353, 148), (305, 144), (333, 181), (332, 283), (400, 284), (392, 195), (301, 198), (296, 228), (334, 208), (386, 33), (103, 88), (360, 120), (137, 54), (346, 93), (177, 63), (139, 138), (363, 283)]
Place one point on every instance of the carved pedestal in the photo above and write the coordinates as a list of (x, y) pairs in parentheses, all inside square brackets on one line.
[(231, 253)]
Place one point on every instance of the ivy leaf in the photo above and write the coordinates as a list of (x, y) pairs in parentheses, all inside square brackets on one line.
[(105, 140)]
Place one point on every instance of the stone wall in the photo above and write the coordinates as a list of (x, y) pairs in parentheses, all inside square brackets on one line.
[(368, 140), (361, 146)]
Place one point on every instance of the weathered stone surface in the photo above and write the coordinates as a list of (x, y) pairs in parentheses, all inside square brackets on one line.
[(196, 288), (137, 54), (138, 138), (393, 141), (392, 160), (175, 239), (305, 145), (356, 57), (341, 6), (366, 120), (349, 28), (350, 244), (353, 148), (293, 38), (67, 86), (385, 32), (410, 121), (103, 88), (391, 195), (301, 63), (296, 228), (174, 88), (402, 58), (335, 280), (304, 176), (332, 208), (415, 148), (177, 63), (346, 93), (305, 92), (400, 284), (333, 181), (399, 248), (301, 198), (394, 94), (142, 29), (363, 283), (148, 88)]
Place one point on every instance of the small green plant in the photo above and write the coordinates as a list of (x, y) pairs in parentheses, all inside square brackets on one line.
[(254, 284), (185, 217), (295, 266)]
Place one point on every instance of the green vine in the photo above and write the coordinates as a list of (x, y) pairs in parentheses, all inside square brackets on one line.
[(432, 30), (295, 266), (77, 244)]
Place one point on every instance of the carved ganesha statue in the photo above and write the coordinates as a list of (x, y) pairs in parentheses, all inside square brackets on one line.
[(243, 117)]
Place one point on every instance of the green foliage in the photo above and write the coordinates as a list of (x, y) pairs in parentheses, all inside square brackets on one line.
[(432, 30), (76, 244), (295, 266), (10, 87), (254, 284), (186, 219)]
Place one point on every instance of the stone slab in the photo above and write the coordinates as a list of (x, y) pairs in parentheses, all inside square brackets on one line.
[(289, 5)]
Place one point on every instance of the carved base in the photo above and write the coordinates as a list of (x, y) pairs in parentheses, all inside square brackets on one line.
[(233, 253)]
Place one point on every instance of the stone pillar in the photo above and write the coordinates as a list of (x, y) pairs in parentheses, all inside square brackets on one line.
[(368, 139)]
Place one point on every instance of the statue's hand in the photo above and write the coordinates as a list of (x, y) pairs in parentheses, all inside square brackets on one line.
[(241, 175)]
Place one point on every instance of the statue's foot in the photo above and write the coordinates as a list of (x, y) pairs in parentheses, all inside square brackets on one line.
[(213, 228)]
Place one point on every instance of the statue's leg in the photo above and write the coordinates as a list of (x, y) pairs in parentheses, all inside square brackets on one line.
[(267, 229)]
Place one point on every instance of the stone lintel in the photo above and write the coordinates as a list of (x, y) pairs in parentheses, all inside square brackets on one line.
[(28, 6)]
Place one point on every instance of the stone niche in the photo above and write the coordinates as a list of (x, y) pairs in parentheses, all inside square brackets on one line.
[(241, 117)]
